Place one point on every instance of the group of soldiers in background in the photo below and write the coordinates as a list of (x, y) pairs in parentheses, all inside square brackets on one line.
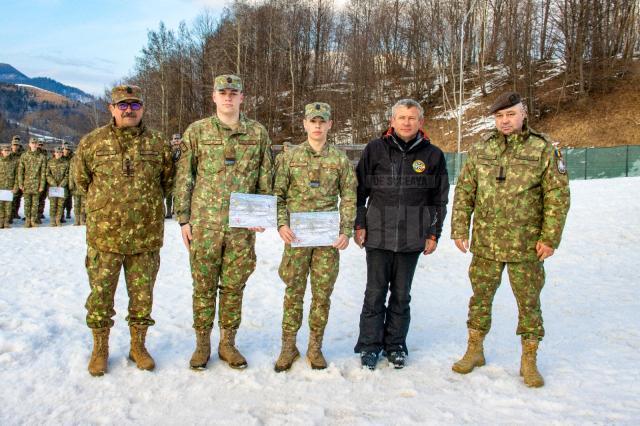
[(29, 174)]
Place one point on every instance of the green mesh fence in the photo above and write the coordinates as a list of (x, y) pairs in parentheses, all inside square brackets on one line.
[(582, 163)]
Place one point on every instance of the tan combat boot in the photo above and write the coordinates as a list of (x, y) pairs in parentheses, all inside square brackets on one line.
[(27, 222), (100, 355), (227, 349), (528, 369), (138, 352), (7, 223), (35, 222), (202, 353), (288, 354), (314, 351), (474, 357)]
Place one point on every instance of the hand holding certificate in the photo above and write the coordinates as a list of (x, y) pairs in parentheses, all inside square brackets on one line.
[(315, 229), (252, 211)]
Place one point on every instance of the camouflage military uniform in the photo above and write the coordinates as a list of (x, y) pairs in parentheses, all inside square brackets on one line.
[(215, 161), (43, 195), (32, 173), (8, 181), (312, 181), (17, 196), (68, 201), (175, 155), (124, 172), (78, 196), (518, 192), (57, 176)]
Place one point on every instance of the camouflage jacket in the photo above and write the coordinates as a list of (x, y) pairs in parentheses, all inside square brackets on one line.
[(124, 172), (215, 161), (309, 181), (58, 172), (75, 189), (8, 172), (32, 172), (518, 192)]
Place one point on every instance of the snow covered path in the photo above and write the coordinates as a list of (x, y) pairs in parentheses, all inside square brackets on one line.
[(589, 359)]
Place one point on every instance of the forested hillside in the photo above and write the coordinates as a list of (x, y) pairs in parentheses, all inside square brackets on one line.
[(560, 54)]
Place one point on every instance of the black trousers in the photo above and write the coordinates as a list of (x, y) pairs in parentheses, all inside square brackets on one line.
[(386, 327)]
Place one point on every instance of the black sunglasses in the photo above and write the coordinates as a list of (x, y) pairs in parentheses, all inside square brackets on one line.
[(135, 106)]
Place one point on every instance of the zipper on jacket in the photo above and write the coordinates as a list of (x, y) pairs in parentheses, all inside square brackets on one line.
[(404, 156)]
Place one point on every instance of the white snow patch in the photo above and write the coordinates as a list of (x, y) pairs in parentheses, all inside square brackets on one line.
[(588, 358)]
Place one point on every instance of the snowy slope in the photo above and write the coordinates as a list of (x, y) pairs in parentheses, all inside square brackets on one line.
[(589, 358)]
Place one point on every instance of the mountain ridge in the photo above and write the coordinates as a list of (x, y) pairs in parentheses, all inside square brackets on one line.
[(10, 75)]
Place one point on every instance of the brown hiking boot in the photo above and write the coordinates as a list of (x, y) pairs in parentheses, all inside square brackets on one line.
[(528, 369), (227, 349), (288, 354), (202, 353), (100, 355), (314, 351), (474, 357), (138, 352)]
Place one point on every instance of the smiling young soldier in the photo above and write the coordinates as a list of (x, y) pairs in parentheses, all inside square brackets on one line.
[(311, 178), (123, 168), (219, 155), (515, 185), (403, 190)]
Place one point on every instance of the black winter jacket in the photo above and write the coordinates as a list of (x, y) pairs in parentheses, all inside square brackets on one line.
[(403, 190)]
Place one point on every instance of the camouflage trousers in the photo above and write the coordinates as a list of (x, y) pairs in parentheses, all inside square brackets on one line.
[(31, 204), (220, 262), (6, 211), (56, 208), (42, 198), (321, 264), (78, 205), (527, 280), (140, 271)]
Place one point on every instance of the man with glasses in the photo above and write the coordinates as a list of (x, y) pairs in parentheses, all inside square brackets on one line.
[(219, 155), (124, 168)]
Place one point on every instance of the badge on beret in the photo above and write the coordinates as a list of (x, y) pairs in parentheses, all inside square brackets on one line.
[(562, 168), (419, 166), (229, 80)]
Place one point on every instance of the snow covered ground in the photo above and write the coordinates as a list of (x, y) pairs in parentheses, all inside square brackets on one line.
[(589, 359)]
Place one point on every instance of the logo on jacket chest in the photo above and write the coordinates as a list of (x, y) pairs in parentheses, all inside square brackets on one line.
[(419, 166)]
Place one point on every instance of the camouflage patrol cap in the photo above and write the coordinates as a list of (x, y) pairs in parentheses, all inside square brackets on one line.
[(40, 142), (58, 149), (5, 147), (505, 100), (227, 81), (126, 92), (317, 109), (15, 140), (34, 140)]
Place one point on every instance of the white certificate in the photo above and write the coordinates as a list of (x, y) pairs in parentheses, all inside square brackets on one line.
[(6, 195), (56, 192), (315, 229), (252, 210)]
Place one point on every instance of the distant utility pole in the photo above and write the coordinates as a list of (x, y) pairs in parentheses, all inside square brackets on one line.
[(464, 22)]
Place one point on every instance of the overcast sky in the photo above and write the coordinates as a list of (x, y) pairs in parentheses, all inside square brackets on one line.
[(87, 44)]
